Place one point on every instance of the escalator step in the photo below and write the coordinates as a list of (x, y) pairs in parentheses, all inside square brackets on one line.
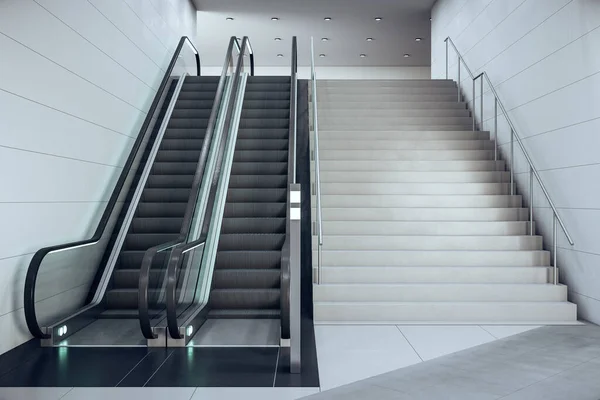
[(130, 278), (170, 181), (174, 168), (253, 225), (198, 123), (267, 87), (178, 156), (184, 133), (270, 104), (179, 144), (203, 79), (250, 123), (143, 241), (262, 144), (194, 104), (254, 168), (255, 195), (262, 113), (272, 210), (248, 260), (186, 95), (265, 96), (132, 259), (260, 156), (165, 195), (191, 112), (257, 181), (127, 299), (265, 241), (267, 133), (246, 279), (152, 225), (190, 86), (244, 313), (232, 299), (268, 79), (161, 209)]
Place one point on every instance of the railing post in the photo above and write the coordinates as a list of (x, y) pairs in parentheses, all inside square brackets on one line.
[(295, 276), (458, 84), (554, 252), (531, 201), (481, 105), (512, 162), (446, 58), (495, 128), (474, 108)]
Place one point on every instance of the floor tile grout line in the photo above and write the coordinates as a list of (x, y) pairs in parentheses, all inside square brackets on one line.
[(409, 343), (157, 369), (276, 366), (491, 334), (66, 393), (131, 370), (192, 396)]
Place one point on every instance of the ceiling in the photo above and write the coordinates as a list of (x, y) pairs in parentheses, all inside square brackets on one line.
[(352, 22)]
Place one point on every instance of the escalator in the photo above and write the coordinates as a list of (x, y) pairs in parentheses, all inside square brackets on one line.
[(246, 280)]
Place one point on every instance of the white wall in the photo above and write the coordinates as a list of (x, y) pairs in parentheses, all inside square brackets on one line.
[(341, 72), (76, 80), (543, 58)]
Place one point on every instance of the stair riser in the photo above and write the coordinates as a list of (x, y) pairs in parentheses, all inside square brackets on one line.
[(371, 135), (423, 214), (338, 201), (424, 228), (397, 127), (406, 155), (391, 105), (324, 92), (415, 188), (471, 313), (384, 98), (388, 275), (372, 122), (443, 292), (409, 166), (359, 258), (414, 177), (386, 83), (326, 145), (350, 242), (332, 112)]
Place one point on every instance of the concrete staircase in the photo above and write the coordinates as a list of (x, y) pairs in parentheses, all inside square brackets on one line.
[(419, 224)]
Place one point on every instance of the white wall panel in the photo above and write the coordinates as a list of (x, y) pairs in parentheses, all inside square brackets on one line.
[(541, 56), (77, 78)]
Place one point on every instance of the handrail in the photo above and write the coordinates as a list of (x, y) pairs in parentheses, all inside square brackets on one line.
[(514, 135), (34, 265), (285, 279), (144, 278), (250, 51), (178, 252), (316, 158)]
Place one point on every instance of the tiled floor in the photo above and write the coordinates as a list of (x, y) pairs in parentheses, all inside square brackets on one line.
[(348, 353), (550, 363)]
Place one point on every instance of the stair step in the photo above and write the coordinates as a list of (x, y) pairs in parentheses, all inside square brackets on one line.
[(410, 166), (414, 176), (424, 214), (406, 155), (352, 113), (425, 228), (340, 98), (323, 92), (389, 242), (445, 274), (535, 313), (326, 145), (434, 292), (374, 83), (434, 258), (449, 201), (410, 188), (372, 135)]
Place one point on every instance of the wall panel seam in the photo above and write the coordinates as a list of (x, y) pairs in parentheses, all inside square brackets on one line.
[(146, 25), (60, 156)]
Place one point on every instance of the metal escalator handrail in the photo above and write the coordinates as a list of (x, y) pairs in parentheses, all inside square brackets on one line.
[(144, 278), (285, 251), (177, 254), (34, 265), (250, 51)]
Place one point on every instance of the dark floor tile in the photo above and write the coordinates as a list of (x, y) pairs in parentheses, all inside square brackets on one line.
[(216, 367), (142, 372), (19, 355), (75, 366), (309, 377)]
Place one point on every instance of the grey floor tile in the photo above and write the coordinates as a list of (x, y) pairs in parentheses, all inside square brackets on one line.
[(203, 393), (360, 391), (33, 393), (130, 393)]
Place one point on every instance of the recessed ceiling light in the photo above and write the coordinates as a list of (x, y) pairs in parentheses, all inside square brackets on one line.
[(229, 19), (280, 55), (370, 39), (321, 55), (278, 39), (363, 55), (324, 39), (418, 39), (327, 18), (406, 55), (274, 18), (378, 19)]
